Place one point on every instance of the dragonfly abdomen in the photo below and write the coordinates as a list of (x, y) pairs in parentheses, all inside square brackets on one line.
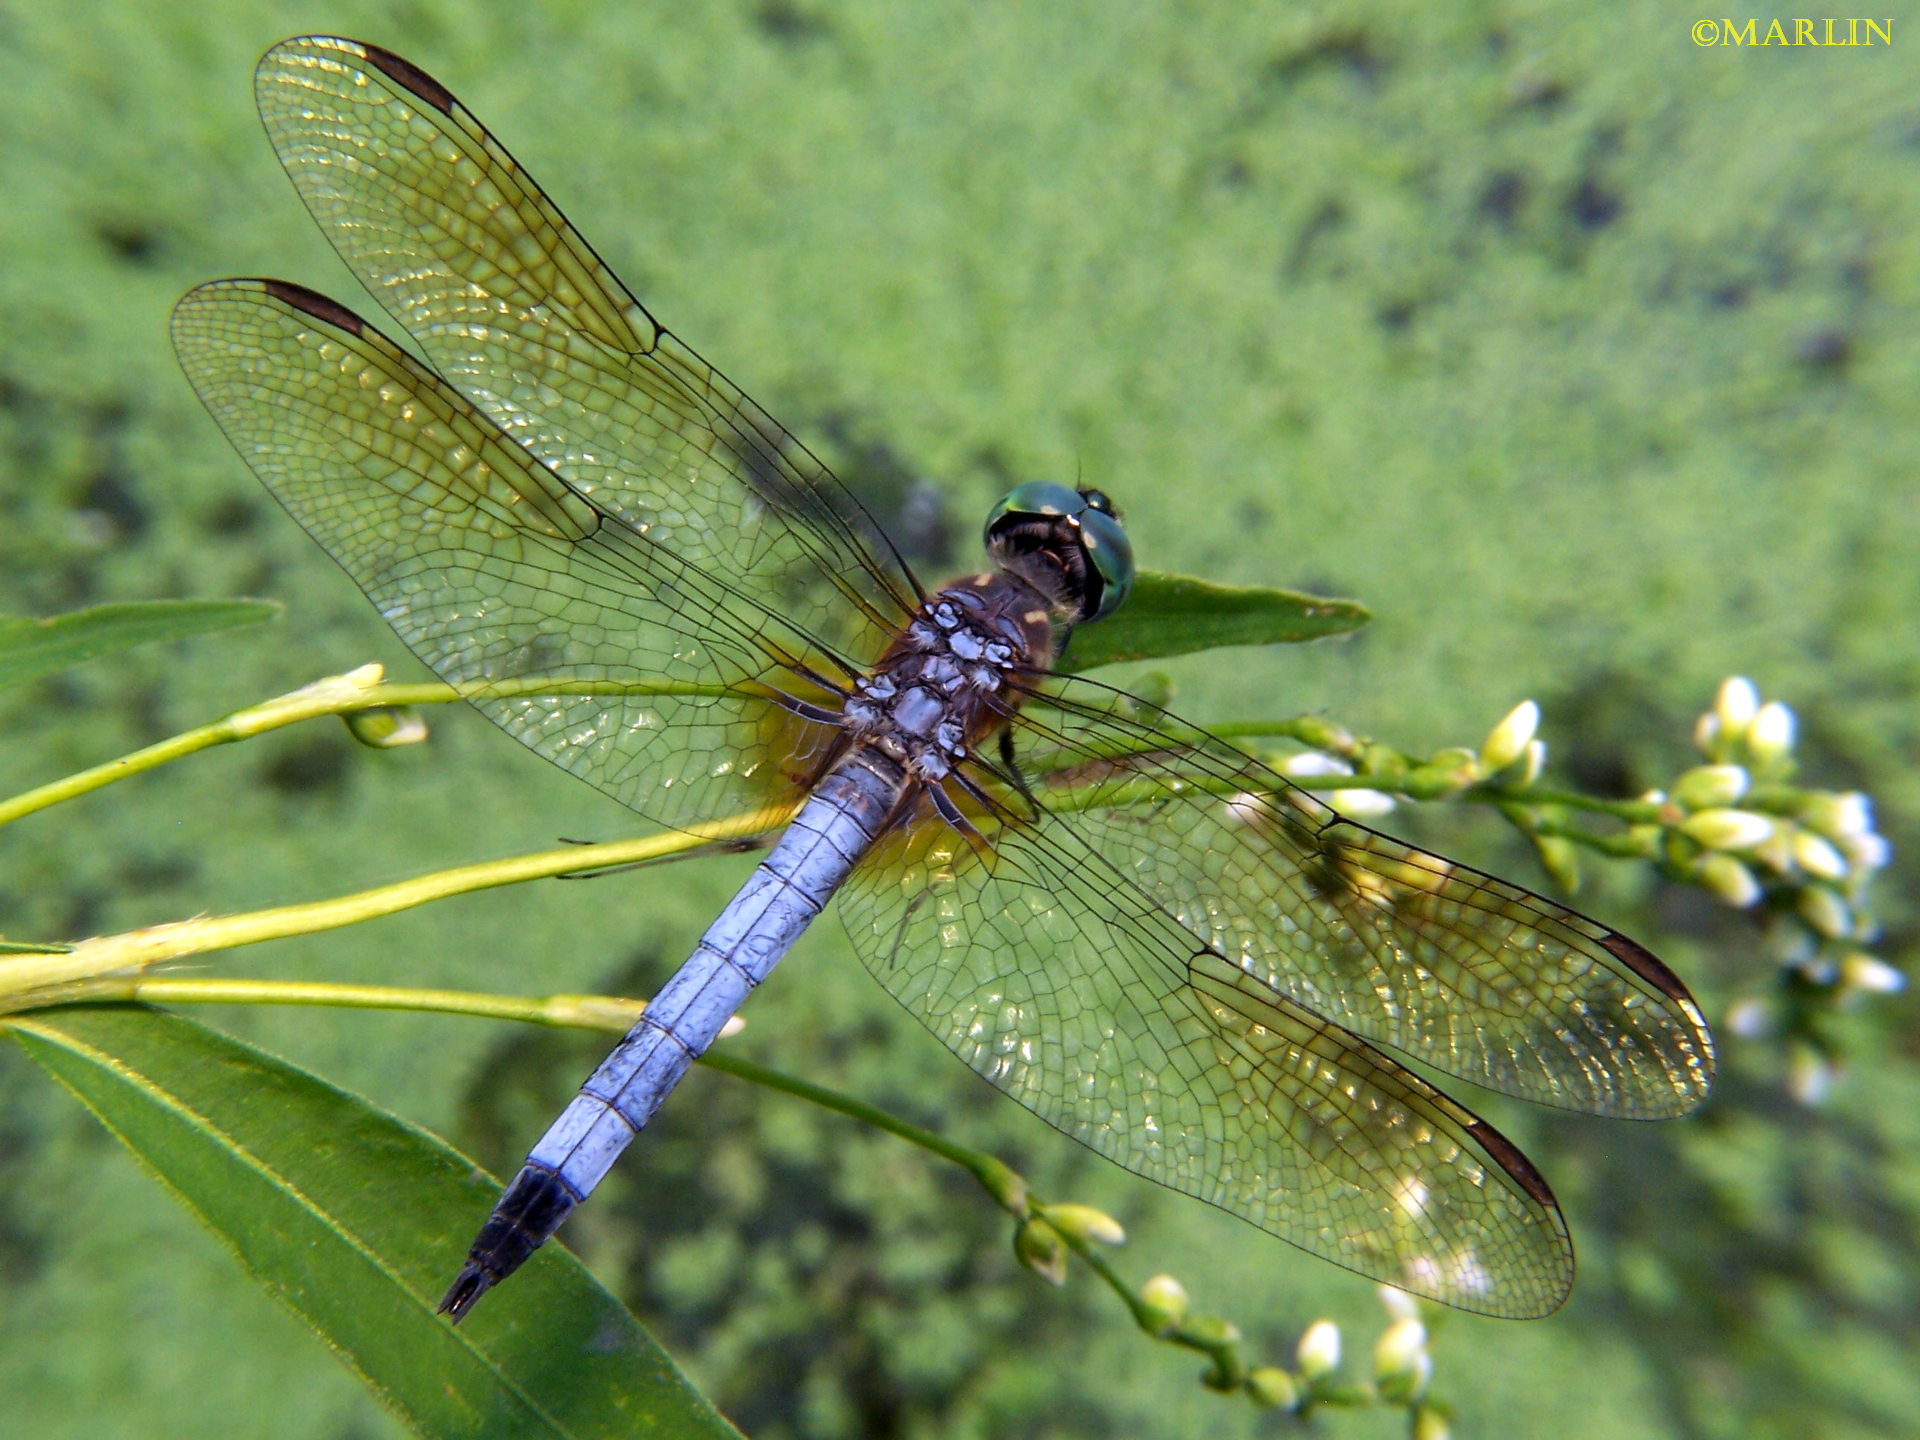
[(837, 826)]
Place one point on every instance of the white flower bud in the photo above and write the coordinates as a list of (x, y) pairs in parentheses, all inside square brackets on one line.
[(1166, 1297), (1319, 1350), (1817, 857), (1825, 911), (1706, 734), (1532, 763), (1310, 763), (1855, 815), (1770, 736), (1083, 1222), (1747, 1017), (1870, 974), (1838, 816), (1508, 740), (1399, 1347), (1273, 1387), (1727, 880), (1359, 804), (1866, 851), (1810, 1075), (1711, 787), (1776, 851), (1736, 704), (386, 727), (1727, 829)]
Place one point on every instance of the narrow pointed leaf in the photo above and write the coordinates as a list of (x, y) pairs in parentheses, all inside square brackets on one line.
[(1178, 614), (32, 648), (356, 1221)]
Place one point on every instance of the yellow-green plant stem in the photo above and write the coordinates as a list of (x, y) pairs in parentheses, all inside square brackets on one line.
[(134, 951), (359, 689), (586, 1012)]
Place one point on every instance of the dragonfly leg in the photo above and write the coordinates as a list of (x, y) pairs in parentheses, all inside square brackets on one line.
[(1013, 770)]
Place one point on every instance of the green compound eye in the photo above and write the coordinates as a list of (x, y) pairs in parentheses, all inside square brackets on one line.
[(1036, 497), (1107, 546), (1102, 538)]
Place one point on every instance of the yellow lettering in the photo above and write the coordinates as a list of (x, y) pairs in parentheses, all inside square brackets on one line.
[(1803, 33), (1773, 30), (1735, 35), (1886, 35)]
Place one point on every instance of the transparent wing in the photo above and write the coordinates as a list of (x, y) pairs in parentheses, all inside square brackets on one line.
[(515, 309), (1042, 964), (1179, 958), (1462, 971), (581, 633)]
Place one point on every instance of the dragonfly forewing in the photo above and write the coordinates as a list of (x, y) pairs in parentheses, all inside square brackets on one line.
[(513, 307), (595, 645)]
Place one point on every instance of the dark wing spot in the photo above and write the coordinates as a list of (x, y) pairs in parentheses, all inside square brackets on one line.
[(1504, 1153), (312, 302), (1646, 965), (409, 77)]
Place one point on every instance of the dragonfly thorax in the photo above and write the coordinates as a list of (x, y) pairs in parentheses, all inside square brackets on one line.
[(953, 674)]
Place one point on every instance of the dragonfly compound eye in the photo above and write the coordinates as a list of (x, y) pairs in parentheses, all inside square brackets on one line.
[(1067, 542)]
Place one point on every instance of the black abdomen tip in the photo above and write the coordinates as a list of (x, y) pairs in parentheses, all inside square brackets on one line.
[(522, 1220)]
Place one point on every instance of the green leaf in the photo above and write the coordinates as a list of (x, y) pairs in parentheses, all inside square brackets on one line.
[(32, 648), (1177, 614), (357, 1221)]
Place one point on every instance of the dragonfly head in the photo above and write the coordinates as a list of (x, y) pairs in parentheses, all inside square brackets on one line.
[(1067, 543)]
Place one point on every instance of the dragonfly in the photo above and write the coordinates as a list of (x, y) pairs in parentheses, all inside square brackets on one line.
[(1146, 936)]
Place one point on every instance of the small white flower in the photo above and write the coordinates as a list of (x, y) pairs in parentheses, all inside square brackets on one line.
[(1870, 974), (1360, 804), (1727, 829), (1533, 762), (1866, 850), (1855, 815), (1398, 1347), (1727, 880), (1319, 1350), (1810, 1075), (1508, 740), (1817, 857), (1711, 787), (1747, 1017), (1825, 911), (1309, 763), (1736, 704), (1167, 1298), (1770, 735), (1838, 816)]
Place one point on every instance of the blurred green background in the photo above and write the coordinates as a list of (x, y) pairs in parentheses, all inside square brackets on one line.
[(1589, 358)]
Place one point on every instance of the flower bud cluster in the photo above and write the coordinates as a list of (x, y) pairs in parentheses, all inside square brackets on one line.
[(1750, 837), (1808, 853)]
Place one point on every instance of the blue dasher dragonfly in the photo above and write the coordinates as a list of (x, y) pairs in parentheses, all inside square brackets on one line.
[(1146, 936)]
